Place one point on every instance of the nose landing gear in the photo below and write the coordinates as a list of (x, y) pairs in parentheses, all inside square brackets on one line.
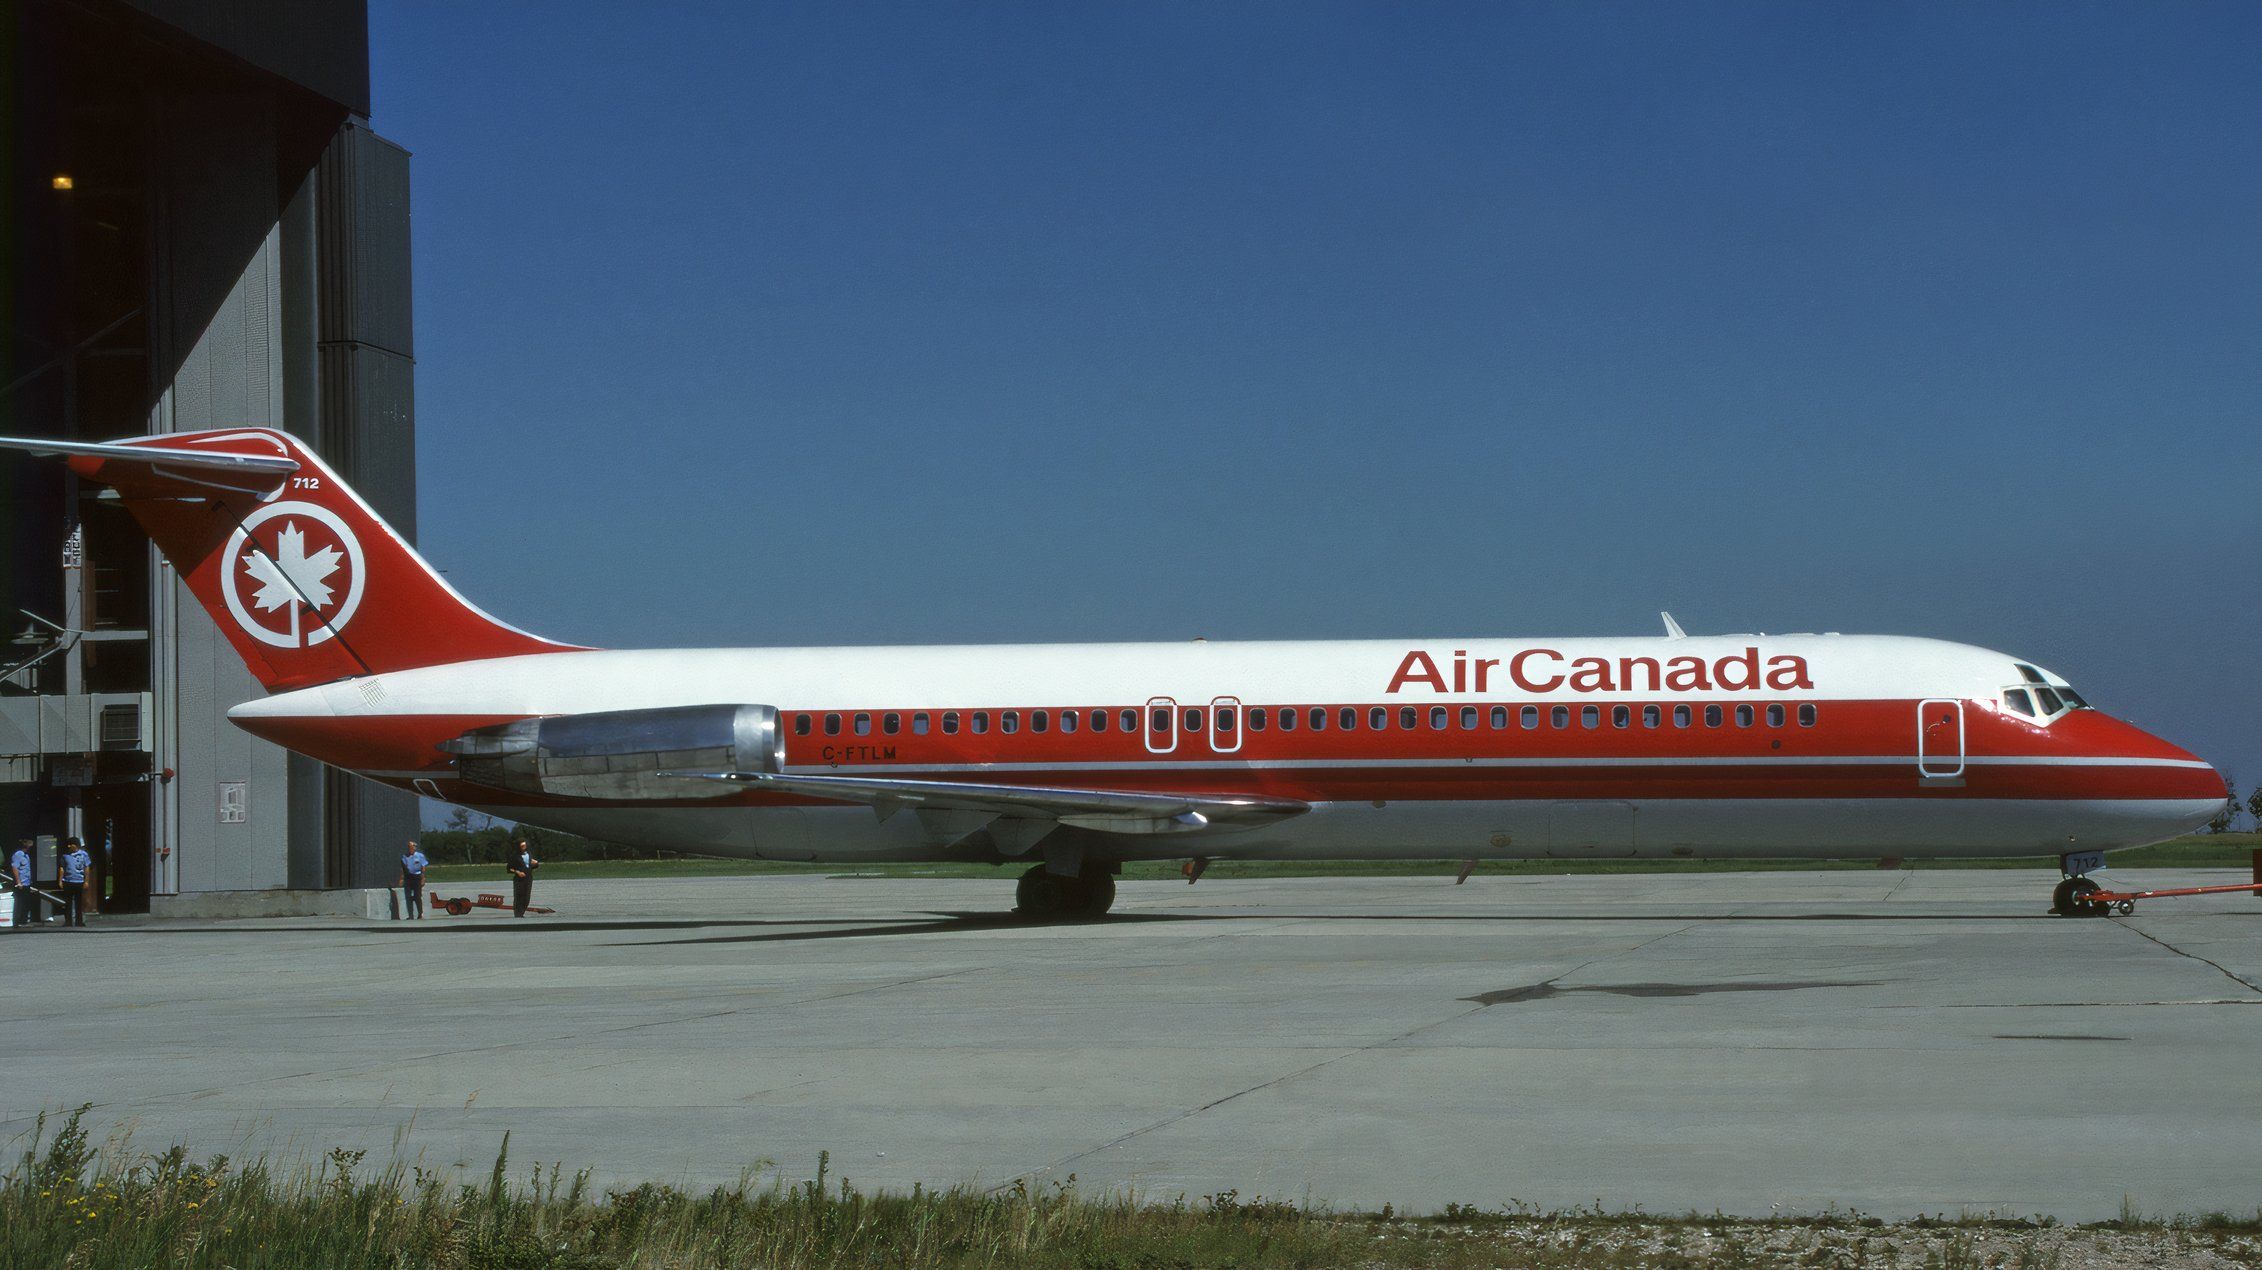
[(2072, 899)]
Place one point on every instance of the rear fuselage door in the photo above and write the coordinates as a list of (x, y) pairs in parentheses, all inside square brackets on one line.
[(1161, 725), (1225, 724)]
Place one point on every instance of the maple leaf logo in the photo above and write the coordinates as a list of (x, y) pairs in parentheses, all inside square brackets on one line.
[(291, 576)]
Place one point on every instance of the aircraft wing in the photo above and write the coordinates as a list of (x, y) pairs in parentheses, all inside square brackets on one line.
[(1017, 815)]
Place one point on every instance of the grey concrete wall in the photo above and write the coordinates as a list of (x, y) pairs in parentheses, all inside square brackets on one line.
[(219, 292)]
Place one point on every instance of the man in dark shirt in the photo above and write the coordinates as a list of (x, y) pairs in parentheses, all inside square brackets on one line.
[(412, 882), (522, 865)]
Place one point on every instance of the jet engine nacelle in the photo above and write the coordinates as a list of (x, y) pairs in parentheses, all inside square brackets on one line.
[(621, 753)]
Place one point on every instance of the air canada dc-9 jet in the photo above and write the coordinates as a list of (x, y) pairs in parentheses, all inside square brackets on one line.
[(1072, 759)]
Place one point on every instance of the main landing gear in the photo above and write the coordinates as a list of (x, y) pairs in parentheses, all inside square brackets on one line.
[(1053, 897)]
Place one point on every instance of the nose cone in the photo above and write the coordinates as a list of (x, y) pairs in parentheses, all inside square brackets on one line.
[(2140, 788)]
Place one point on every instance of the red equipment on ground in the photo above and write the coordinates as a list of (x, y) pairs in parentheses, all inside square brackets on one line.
[(458, 906)]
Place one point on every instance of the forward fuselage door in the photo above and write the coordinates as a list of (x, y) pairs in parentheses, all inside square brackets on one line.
[(1940, 741)]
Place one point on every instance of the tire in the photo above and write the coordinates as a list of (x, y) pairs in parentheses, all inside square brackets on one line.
[(2077, 897), (1048, 897), (2061, 899), (1039, 896), (1094, 895)]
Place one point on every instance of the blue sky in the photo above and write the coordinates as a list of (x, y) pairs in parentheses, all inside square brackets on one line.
[(857, 323)]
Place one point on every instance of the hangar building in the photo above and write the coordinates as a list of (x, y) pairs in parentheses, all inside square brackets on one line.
[(202, 230)]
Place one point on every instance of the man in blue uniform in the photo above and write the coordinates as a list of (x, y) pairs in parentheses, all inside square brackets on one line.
[(19, 876), (412, 882), (74, 866)]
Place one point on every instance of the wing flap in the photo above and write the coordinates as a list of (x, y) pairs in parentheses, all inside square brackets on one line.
[(1106, 810)]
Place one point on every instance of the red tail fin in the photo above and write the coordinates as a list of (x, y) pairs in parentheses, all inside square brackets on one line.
[(305, 579)]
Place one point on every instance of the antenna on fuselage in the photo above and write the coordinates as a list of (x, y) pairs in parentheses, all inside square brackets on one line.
[(1672, 628)]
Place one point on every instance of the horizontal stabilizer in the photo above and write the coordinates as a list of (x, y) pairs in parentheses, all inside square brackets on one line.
[(152, 467)]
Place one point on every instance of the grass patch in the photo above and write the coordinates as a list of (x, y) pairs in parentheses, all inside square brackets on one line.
[(67, 1203), (2198, 851)]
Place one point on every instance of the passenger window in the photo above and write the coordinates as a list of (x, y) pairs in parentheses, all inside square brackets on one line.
[(1438, 717), (1652, 716), (1620, 716), (1288, 719), (1161, 721), (1468, 718), (1712, 716), (1680, 716), (2048, 700), (832, 725), (2017, 699), (1378, 719), (1590, 716), (1009, 721), (1257, 718), (1068, 721), (1562, 716), (1744, 716), (863, 725), (1531, 718), (1039, 720), (891, 723), (1223, 719), (1130, 722), (1499, 718), (950, 723), (1193, 720), (1806, 715), (1409, 718), (981, 721), (1774, 716), (1099, 721), (801, 725), (1348, 719), (919, 724), (1318, 719)]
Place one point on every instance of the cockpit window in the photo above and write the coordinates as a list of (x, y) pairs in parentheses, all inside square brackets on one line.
[(2040, 697)]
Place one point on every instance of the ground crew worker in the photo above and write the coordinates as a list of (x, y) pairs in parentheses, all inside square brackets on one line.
[(19, 874), (412, 882), (74, 866), (522, 865)]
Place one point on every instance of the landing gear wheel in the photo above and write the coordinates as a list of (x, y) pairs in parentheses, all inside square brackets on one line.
[(1039, 896), (1095, 894), (2076, 901), (1049, 897)]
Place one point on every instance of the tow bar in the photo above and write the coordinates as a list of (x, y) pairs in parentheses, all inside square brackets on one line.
[(2124, 902), (458, 906)]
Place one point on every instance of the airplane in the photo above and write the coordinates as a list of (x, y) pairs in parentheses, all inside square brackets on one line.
[(1074, 759)]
